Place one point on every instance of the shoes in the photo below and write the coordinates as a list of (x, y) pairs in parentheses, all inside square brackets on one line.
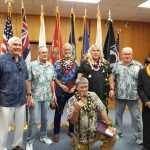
[(119, 135), (56, 137), (73, 138), (17, 148), (71, 134), (46, 140), (139, 141), (29, 146)]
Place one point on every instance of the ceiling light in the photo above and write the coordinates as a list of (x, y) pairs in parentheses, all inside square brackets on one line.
[(145, 4), (82, 1)]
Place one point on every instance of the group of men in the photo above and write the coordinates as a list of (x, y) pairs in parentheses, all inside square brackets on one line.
[(67, 82)]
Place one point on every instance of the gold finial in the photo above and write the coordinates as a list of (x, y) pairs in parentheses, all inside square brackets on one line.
[(9, 2), (85, 12), (72, 10), (109, 15), (119, 30), (22, 3), (98, 9), (42, 7), (57, 8)]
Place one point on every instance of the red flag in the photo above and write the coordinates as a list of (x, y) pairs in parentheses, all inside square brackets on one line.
[(56, 52), (8, 33)]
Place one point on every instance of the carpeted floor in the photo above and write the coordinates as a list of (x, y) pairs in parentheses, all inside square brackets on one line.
[(124, 143)]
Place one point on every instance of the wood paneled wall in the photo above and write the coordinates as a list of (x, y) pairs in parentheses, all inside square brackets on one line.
[(135, 35)]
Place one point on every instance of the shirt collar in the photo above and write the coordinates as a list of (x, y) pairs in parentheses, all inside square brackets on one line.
[(132, 62), (11, 57), (47, 63)]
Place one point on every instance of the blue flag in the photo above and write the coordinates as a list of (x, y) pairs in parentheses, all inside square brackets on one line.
[(85, 44)]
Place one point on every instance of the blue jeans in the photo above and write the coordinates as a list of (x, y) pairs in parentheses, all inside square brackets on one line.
[(43, 105), (61, 100), (133, 106)]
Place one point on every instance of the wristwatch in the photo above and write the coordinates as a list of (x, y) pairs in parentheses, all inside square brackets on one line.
[(112, 89), (29, 94)]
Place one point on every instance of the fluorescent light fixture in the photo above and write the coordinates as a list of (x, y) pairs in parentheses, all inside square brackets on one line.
[(145, 4), (82, 1)]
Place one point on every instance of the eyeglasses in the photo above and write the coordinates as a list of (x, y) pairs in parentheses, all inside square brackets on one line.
[(18, 67)]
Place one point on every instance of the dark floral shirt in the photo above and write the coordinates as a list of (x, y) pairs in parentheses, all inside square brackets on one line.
[(85, 128)]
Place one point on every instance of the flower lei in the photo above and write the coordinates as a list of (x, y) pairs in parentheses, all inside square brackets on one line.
[(86, 108), (64, 69), (95, 66), (148, 70)]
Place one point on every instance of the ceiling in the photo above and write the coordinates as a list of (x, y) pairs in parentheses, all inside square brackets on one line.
[(120, 9)]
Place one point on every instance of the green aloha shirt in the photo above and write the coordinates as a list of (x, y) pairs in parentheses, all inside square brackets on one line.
[(41, 76), (85, 128), (126, 80)]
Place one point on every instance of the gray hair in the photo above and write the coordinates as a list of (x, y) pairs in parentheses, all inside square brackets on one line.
[(127, 49), (42, 47), (67, 45), (12, 39), (82, 80)]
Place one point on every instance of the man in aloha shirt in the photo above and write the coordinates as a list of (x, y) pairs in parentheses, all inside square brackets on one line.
[(83, 109), (66, 73), (126, 76), (41, 74)]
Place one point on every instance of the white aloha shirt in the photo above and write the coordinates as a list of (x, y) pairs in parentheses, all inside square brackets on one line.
[(41, 77)]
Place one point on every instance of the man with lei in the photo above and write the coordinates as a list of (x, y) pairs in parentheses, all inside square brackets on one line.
[(83, 109), (65, 70)]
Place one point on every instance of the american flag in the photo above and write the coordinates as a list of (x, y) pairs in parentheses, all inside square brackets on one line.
[(25, 39), (8, 33)]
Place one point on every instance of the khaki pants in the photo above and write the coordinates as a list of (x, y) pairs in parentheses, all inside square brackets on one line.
[(108, 143)]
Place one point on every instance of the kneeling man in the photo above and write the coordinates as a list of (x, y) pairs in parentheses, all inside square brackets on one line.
[(82, 110)]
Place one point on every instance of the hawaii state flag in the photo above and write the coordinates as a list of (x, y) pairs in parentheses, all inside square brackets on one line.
[(8, 32), (25, 38), (56, 52)]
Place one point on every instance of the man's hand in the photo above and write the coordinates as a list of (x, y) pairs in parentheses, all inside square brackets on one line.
[(30, 102), (112, 130), (112, 94), (78, 105), (148, 104), (55, 100), (64, 88), (72, 90)]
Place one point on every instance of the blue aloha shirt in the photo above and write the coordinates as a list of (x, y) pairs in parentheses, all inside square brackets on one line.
[(126, 80), (41, 77), (72, 75)]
